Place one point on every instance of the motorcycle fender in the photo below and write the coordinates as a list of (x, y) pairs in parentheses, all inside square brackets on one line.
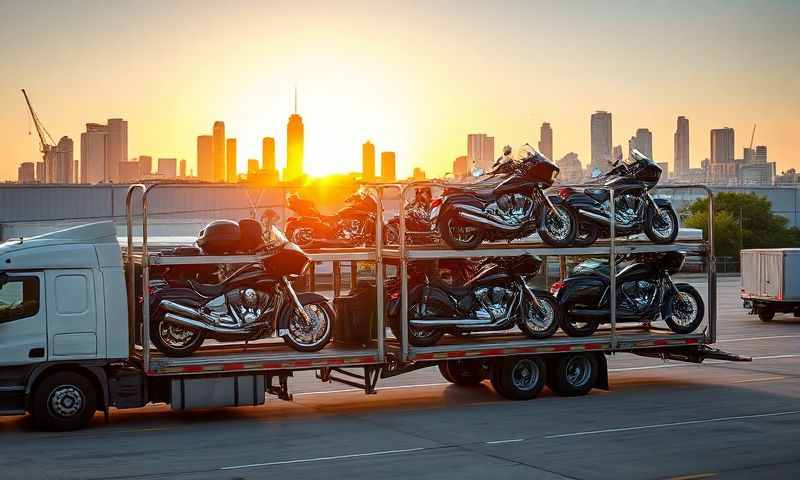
[(670, 292), (586, 291), (581, 200), (305, 298), (662, 203)]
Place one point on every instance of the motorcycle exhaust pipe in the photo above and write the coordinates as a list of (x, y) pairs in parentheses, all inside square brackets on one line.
[(181, 310), (485, 221), (594, 216), (449, 322), (200, 325)]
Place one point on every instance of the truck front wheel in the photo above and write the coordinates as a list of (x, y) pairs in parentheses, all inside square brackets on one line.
[(64, 401)]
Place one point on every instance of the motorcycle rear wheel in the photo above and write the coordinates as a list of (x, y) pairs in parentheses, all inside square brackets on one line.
[(577, 328), (451, 228), (301, 235), (174, 340)]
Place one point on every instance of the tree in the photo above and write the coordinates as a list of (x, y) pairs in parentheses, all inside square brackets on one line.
[(760, 228)]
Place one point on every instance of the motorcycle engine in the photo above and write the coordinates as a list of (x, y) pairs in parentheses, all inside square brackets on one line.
[(514, 208), (348, 229), (493, 302), (636, 296), (626, 208), (240, 307)]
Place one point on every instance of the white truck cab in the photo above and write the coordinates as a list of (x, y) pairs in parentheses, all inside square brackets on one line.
[(63, 317)]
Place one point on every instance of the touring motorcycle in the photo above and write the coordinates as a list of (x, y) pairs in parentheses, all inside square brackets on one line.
[(255, 301), (419, 229), (509, 203), (635, 210), (352, 226), (645, 293), (495, 298)]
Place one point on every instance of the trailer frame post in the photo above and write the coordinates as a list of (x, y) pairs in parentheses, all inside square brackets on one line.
[(712, 271), (379, 274), (131, 286), (612, 269), (337, 279), (404, 345)]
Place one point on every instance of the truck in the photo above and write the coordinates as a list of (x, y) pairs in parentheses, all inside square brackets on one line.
[(771, 281), (74, 332)]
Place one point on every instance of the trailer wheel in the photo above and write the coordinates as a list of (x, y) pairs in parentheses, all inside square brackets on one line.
[(519, 378), (466, 373), (574, 375), (766, 313), (64, 401)]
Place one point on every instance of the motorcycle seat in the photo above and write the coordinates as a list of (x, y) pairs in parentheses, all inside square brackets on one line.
[(208, 290), (599, 195), (482, 192)]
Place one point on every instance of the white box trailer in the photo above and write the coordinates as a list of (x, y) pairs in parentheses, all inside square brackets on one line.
[(771, 281)]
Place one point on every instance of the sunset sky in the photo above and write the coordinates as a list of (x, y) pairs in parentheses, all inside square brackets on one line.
[(415, 78)]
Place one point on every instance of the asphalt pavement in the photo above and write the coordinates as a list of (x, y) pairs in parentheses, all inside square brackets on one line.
[(659, 420)]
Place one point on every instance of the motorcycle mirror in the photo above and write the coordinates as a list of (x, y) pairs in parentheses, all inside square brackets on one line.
[(507, 150), (595, 173), (477, 172), (269, 218)]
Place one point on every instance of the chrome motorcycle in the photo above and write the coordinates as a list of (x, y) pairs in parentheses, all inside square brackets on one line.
[(256, 301)]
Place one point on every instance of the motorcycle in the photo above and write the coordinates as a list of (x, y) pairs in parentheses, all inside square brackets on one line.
[(635, 210), (645, 293), (419, 229), (352, 226), (256, 301), (495, 298), (508, 204)]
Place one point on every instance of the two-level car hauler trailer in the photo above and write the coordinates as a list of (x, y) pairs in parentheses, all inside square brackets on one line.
[(63, 391)]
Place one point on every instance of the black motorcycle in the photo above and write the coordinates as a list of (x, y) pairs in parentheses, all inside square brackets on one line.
[(506, 205), (352, 226), (496, 298), (645, 293), (635, 210), (254, 301), (419, 228)]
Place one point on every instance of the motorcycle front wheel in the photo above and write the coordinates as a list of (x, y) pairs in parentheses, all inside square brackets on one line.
[(312, 336), (687, 310), (174, 340), (458, 234), (558, 228), (539, 322), (663, 228)]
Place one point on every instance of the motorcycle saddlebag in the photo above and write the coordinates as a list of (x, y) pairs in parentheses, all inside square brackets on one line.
[(356, 316)]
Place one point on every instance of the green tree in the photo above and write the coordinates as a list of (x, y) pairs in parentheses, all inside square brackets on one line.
[(760, 228)]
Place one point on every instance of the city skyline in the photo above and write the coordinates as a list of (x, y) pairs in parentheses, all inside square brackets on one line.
[(352, 90)]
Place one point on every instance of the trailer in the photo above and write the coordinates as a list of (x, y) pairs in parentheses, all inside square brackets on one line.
[(771, 281), (76, 337)]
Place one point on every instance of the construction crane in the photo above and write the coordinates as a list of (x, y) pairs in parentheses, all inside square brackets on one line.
[(46, 143), (752, 136)]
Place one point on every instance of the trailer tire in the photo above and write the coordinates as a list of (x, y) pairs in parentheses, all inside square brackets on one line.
[(519, 378), (574, 374), (63, 401), (766, 313), (465, 373)]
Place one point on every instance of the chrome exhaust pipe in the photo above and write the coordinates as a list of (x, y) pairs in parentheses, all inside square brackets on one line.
[(181, 310), (594, 216), (485, 221), (200, 325), (450, 322)]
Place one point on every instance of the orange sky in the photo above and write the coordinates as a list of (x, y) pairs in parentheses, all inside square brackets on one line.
[(415, 80)]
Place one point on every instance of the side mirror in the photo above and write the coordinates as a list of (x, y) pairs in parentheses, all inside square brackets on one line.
[(507, 150), (477, 172), (3, 278), (595, 173), (269, 218)]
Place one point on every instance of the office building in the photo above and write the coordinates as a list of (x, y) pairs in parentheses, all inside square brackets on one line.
[(294, 148), (145, 166), (230, 158), (252, 166), (758, 173), (721, 167), (76, 172), (182, 168), (760, 154), (95, 161), (546, 140), (128, 171), (62, 167), (205, 158), (571, 170), (268, 154), (601, 140), (418, 175), (681, 147), (480, 150), (747, 155), (644, 142), (26, 172), (461, 167), (616, 154), (168, 167), (368, 161), (388, 172), (41, 173), (219, 151), (116, 147)]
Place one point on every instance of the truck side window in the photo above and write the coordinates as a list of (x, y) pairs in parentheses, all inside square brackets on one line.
[(19, 298)]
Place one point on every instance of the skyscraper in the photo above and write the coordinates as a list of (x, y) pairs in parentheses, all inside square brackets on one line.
[(368, 161), (95, 161), (252, 166), (50, 159), (62, 168), (26, 172), (294, 148), (388, 173), (480, 150), (601, 139), (546, 140), (681, 147), (117, 147), (205, 158), (644, 142), (461, 167), (40, 172), (145, 166), (219, 151), (230, 159), (268, 154), (128, 171), (760, 155), (182, 168), (722, 168), (168, 167)]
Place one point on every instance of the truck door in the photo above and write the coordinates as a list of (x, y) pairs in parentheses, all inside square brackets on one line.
[(23, 329), (71, 314)]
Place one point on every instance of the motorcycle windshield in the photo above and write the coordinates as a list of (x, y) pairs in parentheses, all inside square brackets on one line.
[(277, 238), (593, 265)]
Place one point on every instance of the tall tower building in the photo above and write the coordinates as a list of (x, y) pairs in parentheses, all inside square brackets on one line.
[(760, 155), (601, 140), (681, 166), (368, 161), (219, 151), (41, 175), (117, 147), (62, 173), (145, 166), (26, 172), (388, 166), (268, 154), (95, 160), (644, 142), (722, 144), (546, 140), (205, 158), (230, 159), (294, 146), (182, 168), (168, 167)]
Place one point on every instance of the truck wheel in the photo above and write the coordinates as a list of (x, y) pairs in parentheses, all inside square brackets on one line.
[(766, 313), (574, 374), (519, 378), (64, 401), (466, 373)]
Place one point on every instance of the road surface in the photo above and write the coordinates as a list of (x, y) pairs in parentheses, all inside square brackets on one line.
[(659, 420)]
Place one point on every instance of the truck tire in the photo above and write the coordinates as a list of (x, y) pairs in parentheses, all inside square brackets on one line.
[(64, 401), (574, 375), (766, 313), (465, 373), (445, 372), (519, 378)]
